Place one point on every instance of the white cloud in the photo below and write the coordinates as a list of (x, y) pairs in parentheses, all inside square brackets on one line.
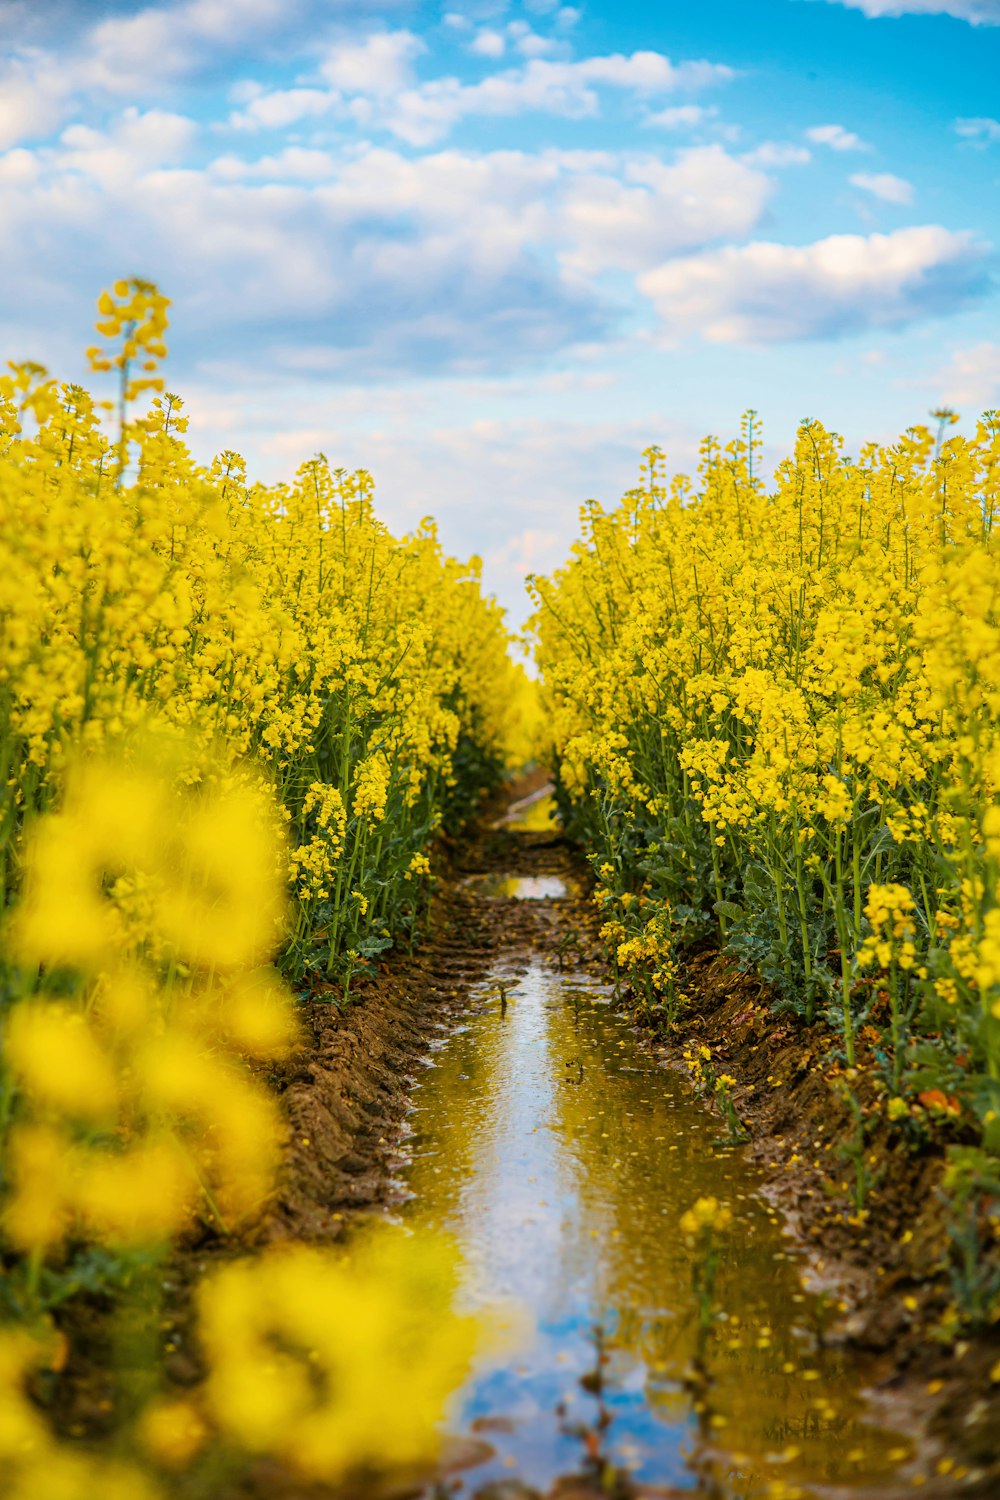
[(777, 154), (143, 53), (132, 56), (655, 209), (488, 43), (424, 115), (129, 54), (32, 98), (837, 138), (123, 53), (494, 42), (533, 45), (19, 168), (294, 163), (885, 186), (762, 293), (134, 144), (650, 72), (982, 131), (364, 260), (379, 66), (366, 266), (971, 379), (977, 12), (682, 116), (529, 43), (529, 551), (283, 107), (508, 187)]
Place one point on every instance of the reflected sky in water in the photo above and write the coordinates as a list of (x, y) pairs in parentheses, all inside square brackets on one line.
[(562, 1156)]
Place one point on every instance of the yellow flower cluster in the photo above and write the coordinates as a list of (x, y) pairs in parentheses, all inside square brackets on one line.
[(706, 1216), (136, 313), (314, 861), (890, 912), (285, 623), (32, 1460), (231, 719), (134, 1109), (777, 711), (332, 1366), (642, 941)]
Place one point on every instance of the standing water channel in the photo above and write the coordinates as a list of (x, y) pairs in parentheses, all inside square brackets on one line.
[(554, 1145)]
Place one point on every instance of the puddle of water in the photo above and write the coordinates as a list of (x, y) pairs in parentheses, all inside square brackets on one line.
[(561, 1158), (518, 887)]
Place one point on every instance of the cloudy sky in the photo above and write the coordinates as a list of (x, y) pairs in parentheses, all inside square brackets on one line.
[(491, 249)]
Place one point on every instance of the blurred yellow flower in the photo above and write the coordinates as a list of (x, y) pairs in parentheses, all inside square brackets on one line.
[(112, 822), (706, 1215), (54, 1054), (223, 902), (173, 1431), (337, 1364)]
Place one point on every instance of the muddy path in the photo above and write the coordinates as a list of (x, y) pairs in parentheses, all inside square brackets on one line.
[(348, 1099), (491, 1085)]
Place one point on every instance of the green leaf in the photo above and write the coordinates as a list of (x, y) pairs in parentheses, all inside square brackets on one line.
[(729, 910)]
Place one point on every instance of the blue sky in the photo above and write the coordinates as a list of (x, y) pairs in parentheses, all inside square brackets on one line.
[(491, 249)]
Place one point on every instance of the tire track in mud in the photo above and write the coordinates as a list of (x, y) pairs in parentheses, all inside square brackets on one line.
[(346, 1099)]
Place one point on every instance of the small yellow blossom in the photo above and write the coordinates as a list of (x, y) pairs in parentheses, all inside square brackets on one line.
[(706, 1215)]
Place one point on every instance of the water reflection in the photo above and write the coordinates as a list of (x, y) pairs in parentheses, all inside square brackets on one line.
[(562, 1158), (517, 887)]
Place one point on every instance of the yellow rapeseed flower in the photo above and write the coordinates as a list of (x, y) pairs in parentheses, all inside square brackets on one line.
[(337, 1364)]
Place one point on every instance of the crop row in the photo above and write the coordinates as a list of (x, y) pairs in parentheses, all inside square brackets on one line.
[(232, 719), (776, 716)]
